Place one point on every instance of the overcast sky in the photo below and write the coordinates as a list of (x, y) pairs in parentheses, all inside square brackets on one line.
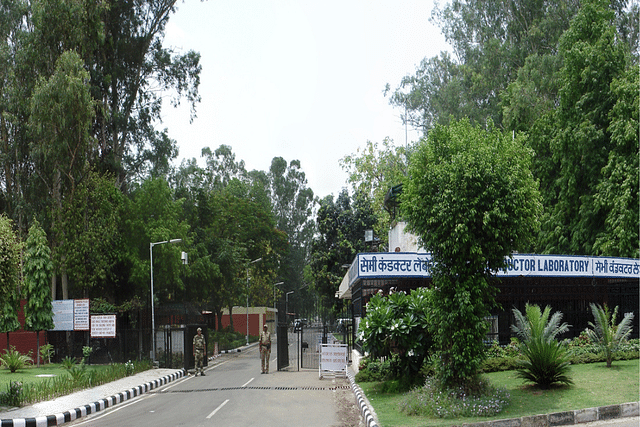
[(298, 79)]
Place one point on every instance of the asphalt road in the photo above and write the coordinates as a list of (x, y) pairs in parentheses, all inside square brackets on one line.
[(234, 392)]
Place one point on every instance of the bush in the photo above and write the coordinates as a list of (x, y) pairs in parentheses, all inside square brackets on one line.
[(479, 399), (13, 395), (14, 360), (545, 359), (46, 351), (373, 370)]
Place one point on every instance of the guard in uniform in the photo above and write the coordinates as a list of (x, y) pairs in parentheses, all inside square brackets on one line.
[(198, 351), (265, 349)]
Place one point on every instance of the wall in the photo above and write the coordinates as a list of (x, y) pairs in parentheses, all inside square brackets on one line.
[(23, 341), (258, 316)]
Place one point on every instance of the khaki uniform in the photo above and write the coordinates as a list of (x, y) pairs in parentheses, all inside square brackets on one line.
[(198, 349), (265, 350)]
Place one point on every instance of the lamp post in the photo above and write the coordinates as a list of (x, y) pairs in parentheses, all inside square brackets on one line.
[(153, 312), (274, 294), (251, 262)]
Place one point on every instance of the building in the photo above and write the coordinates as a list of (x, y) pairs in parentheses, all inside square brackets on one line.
[(567, 283)]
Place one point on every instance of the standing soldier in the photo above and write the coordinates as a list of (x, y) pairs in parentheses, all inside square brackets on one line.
[(265, 349), (198, 351)]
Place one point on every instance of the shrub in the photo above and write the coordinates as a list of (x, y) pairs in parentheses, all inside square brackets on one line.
[(373, 370), (545, 359), (605, 333), (46, 351), (14, 360), (13, 395), (68, 362), (434, 400)]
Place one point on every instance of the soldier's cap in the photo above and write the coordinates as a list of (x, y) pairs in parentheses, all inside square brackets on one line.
[(199, 329), (265, 327)]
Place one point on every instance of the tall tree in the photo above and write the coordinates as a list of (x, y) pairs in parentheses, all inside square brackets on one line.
[(490, 41), (292, 205), (38, 312), (10, 249), (471, 199), (61, 115), (580, 134)]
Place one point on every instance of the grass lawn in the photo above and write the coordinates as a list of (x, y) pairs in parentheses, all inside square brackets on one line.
[(594, 385), (32, 374)]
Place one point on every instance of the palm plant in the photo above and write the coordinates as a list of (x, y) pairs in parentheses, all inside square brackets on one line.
[(605, 333), (546, 360)]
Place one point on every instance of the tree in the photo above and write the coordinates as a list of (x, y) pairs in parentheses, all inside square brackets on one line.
[(341, 225), (374, 171), (490, 41), (605, 333), (61, 114), (546, 360), (292, 203), (9, 277), (471, 199), (581, 140), (38, 311)]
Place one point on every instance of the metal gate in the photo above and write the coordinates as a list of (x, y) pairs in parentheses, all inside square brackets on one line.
[(309, 340), (174, 346), (282, 337)]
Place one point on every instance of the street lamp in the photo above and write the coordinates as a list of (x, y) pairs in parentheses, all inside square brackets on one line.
[(252, 262), (153, 312), (274, 294)]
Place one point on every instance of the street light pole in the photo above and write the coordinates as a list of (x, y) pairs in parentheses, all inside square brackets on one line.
[(153, 312), (254, 261)]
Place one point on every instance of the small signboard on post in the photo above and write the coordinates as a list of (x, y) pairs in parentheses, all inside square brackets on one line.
[(333, 360)]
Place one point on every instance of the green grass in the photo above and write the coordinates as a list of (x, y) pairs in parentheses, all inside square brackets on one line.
[(30, 374), (594, 385)]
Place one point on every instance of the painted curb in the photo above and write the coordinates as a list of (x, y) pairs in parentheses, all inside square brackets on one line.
[(364, 408), (602, 413), (83, 411)]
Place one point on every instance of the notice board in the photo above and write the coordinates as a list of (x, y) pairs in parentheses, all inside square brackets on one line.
[(333, 360)]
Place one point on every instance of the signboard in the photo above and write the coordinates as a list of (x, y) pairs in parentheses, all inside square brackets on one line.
[(81, 314), (412, 264), (62, 315), (103, 326), (333, 359)]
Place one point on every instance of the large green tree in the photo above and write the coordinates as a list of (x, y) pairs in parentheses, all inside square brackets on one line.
[(38, 312), (471, 199), (579, 134), (292, 203)]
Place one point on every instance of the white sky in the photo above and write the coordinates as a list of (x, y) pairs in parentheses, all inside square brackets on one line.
[(298, 79)]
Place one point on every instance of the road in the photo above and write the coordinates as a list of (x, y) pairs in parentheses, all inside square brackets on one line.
[(234, 393)]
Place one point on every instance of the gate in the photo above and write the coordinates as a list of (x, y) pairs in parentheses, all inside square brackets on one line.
[(309, 340), (174, 346), (282, 337)]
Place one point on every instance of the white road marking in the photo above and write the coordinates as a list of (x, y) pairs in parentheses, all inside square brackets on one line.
[(217, 409), (247, 383)]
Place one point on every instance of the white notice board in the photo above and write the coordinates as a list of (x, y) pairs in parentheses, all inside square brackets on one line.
[(62, 314), (81, 314), (103, 326), (333, 359)]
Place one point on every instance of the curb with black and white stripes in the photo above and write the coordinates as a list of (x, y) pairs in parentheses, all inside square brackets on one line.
[(364, 407), (83, 411)]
